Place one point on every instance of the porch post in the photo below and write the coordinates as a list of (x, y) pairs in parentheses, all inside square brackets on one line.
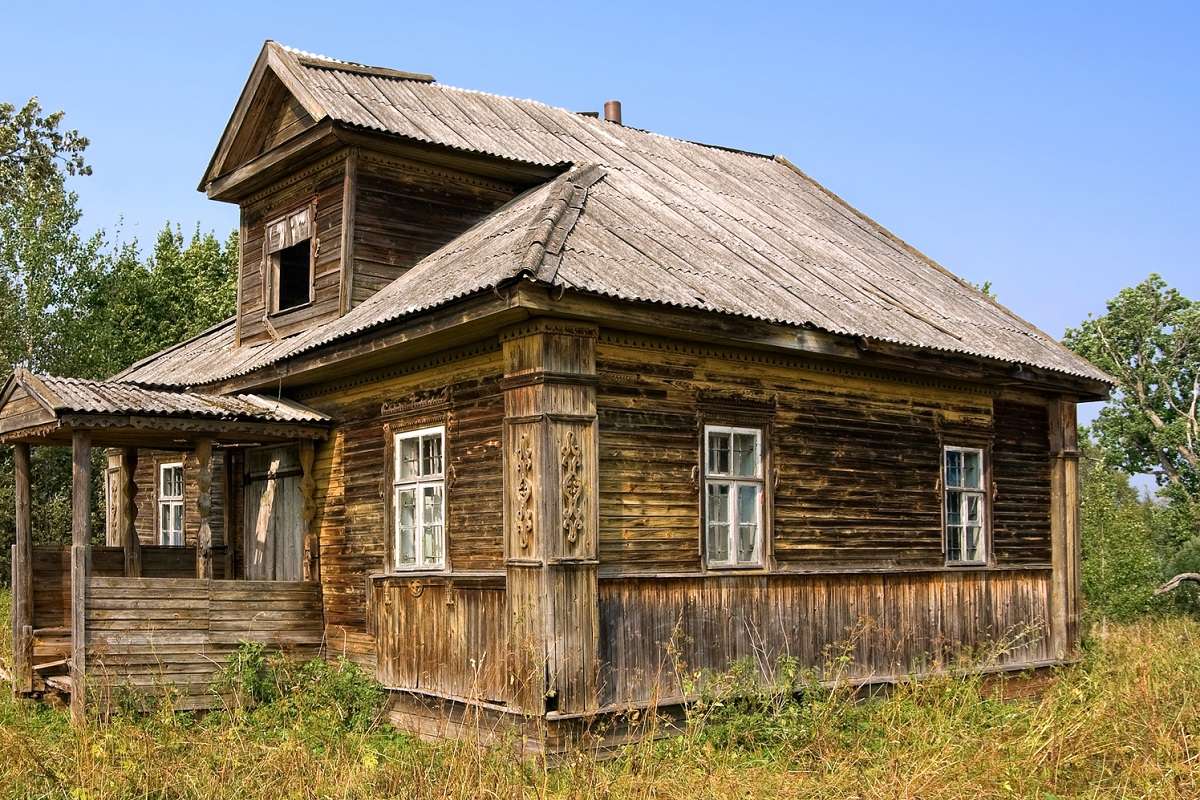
[(81, 551), (204, 508), (22, 577), (551, 516), (129, 510)]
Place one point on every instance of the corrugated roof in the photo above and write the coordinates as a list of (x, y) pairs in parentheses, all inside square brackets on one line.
[(77, 396), (666, 221)]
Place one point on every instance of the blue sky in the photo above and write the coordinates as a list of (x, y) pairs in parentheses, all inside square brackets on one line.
[(1049, 148)]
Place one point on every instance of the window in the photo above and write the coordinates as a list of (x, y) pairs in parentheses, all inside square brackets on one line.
[(170, 504), (966, 531), (418, 499), (289, 257), (733, 496)]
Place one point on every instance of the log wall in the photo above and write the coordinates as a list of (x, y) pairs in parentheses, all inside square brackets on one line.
[(174, 635), (147, 475), (460, 390)]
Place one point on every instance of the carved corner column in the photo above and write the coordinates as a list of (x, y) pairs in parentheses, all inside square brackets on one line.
[(1065, 587), (127, 515), (551, 515), (204, 479)]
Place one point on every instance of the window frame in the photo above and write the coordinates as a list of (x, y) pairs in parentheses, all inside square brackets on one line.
[(758, 481), (162, 499), (983, 493), (417, 484), (287, 239)]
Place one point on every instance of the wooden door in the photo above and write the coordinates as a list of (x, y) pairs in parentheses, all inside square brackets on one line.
[(274, 535)]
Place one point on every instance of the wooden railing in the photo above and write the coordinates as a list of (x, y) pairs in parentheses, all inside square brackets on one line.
[(171, 636)]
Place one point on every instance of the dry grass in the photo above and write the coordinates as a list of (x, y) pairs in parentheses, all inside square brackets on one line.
[(1123, 723)]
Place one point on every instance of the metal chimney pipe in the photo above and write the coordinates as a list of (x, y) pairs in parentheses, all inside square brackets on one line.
[(612, 111)]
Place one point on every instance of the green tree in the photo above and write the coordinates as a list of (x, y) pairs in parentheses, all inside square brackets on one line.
[(1121, 564), (1149, 340)]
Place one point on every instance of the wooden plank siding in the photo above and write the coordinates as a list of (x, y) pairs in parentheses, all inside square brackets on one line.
[(174, 635), (324, 183), (404, 210), (460, 390), (653, 631)]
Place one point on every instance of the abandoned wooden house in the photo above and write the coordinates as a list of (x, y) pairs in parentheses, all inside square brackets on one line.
[(522, 408)]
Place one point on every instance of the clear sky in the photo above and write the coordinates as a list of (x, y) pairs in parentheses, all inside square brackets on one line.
[(1049, 148)]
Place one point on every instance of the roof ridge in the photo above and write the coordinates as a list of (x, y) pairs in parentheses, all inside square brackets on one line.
[(544, 240)]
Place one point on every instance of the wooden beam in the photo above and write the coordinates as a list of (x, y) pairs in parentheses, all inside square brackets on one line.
[(22, 576), (349, 200), (204, 447), (128, 490)]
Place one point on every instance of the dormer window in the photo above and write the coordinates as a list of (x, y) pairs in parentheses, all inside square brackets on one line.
[(290, 259)]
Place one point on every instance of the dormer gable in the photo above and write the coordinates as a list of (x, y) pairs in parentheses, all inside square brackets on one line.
[(332, 213)]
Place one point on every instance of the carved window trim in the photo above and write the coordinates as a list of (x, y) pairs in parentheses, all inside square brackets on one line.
[(280, 233)]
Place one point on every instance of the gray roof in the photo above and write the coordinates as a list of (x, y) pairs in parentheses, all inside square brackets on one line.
[(77, 396), (641, 217)]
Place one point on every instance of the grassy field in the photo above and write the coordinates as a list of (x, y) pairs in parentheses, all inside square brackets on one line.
[(1123, 723)]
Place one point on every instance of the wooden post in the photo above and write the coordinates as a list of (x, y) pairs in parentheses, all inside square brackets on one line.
[(22, 576), (204, 508), (231, 537), (1064, 529), (81, 550), (551, 515), (308, 490), (129, 511)]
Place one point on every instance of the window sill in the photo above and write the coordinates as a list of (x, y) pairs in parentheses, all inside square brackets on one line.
[(287, 312)]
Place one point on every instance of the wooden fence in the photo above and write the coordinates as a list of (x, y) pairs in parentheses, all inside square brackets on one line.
[(173, 635)]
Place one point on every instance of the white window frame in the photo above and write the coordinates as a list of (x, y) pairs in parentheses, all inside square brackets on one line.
[(965, 492), (170, 501), (734, 482), (418, 485)]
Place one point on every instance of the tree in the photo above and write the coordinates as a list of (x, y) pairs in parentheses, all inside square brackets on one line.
[(1121, 564), (1149, 340)]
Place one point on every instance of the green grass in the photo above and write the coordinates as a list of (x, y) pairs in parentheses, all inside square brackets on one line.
[(1122, 723)]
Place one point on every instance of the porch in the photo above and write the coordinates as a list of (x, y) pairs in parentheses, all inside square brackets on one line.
[(161, 617)]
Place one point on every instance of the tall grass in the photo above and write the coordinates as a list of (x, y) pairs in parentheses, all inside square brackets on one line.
[(1124, 722)]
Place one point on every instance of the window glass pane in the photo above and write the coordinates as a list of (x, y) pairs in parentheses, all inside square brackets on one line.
[(408, 455), (717, 515), (745, 454), (953, 468), (747, 510), (974, 502), (954, 508), (431, 544), (973, 550), (718, 453), (431, 455), (406, 524), (164, 523), (953, 543), (972, 471), (177, 523)]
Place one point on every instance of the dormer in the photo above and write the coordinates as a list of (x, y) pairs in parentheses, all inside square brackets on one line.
[(332, 212)]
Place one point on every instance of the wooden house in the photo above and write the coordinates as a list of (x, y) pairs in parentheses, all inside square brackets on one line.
[(526, 410)]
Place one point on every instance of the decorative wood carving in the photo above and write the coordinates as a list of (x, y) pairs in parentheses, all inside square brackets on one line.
[(524, 510), (571, 490)]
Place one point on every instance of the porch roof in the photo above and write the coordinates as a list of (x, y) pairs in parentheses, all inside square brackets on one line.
[(46, 409)]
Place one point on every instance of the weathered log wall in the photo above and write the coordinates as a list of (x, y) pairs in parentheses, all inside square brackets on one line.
[(174, 635), (147, 476), (460, 390), (854, 460)]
